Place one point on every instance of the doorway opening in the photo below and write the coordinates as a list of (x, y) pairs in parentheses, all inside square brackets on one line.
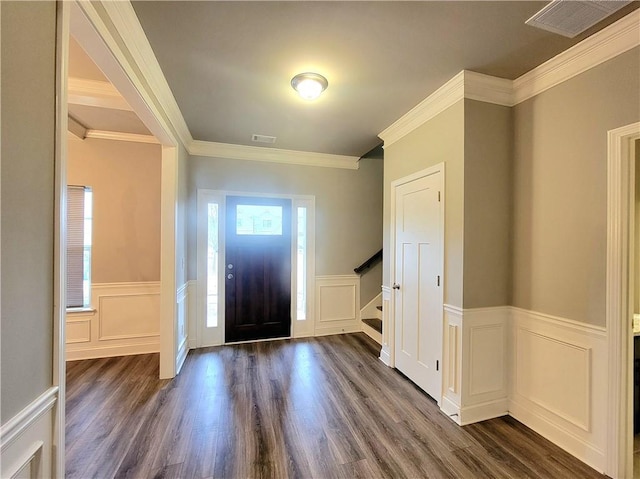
[(621, 292), (255, 267)]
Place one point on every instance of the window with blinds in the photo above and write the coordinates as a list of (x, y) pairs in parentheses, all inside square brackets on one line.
[(79, 207)]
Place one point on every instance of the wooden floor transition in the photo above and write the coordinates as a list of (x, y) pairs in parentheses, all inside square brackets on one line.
[(310, 408)]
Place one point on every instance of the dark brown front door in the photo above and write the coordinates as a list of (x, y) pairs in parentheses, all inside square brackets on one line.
[(258, 268)]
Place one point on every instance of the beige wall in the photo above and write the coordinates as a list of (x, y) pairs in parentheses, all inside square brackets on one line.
[(636, 267), (487, 207), (28, 111), (348, 207), (439, 140), (125, 179), (560, 189)]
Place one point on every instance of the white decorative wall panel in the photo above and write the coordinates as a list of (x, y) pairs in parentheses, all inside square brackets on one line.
[(337, 304), (26, 440), (79, 330), (558, 380), (126, 320), (129, 315)]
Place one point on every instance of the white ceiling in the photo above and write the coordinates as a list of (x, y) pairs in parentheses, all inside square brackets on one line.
[(229, 64)]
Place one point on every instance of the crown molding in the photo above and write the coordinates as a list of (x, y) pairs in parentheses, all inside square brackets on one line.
[(96, 93), (466, 84), (272, 155), (488, 89), (120, 136), (126, 21), (445, 96), (608, 43), (604, 45)]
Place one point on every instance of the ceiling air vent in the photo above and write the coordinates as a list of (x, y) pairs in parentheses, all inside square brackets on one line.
[(572, 17), (263, 139)]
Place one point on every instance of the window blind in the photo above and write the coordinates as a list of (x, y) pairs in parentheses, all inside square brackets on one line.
[(75, 246)]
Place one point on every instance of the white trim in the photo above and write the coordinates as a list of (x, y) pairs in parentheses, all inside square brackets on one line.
[(128, 26), (113, 57), (570, 324), (387, 351), (215, 336), (441, 99), (15, 426), (620, 235), (568, 407), (120, 136), (337, 304), (591, 52), (96, 93), (370, 310), (372, 333), (611, 41), (60, 239), (129, 349), (272, 155), (168, 267), (488, 89)]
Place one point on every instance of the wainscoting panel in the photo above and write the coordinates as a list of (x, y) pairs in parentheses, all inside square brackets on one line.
[(192, 316), (26, 440), (79, 328), (182, 308), (452, 362), (337, 304), (126, 320), (386, 353), (557, 382)]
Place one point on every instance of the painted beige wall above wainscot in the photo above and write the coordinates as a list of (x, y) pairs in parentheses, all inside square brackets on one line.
[(488, 134), (636, 299), (560, 189), (348, 207), (440, 139), (125, 179), (28, 148)]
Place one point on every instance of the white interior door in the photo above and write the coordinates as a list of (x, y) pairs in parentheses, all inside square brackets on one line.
[(418, 281)]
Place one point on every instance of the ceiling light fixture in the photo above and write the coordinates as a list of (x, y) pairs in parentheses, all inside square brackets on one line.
[(309, 85)]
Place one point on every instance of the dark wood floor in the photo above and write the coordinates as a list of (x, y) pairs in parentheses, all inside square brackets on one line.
[(314, 408)]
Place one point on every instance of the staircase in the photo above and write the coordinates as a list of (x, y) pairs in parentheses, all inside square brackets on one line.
[(372, 327), (371, 314)]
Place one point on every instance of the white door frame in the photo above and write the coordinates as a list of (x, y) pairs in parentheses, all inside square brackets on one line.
[(390, 325), (88, 27), (298, 328), (619, 299)]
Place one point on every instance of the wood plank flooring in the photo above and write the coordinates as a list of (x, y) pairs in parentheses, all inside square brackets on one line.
[(312, 408)]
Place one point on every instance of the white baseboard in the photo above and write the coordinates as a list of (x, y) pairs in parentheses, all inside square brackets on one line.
[(385, 357), (112, 351), (482, 412), (125, 321), (355, 328), (26, 440)]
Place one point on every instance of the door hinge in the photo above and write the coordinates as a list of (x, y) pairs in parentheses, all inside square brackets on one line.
[(437, 365), (438, 196), (438, 280)]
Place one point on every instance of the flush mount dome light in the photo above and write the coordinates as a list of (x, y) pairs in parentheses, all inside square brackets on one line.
[(309, 85)]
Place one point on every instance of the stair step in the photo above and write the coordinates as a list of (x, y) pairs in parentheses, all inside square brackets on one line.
[(374, 323)]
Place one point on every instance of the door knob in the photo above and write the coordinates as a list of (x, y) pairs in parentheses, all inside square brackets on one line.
[(396, 286), (229, 276), (229, 266)]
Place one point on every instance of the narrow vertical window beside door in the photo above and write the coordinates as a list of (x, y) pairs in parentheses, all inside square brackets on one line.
[(79, 219), (212, 265), (301, 287)]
